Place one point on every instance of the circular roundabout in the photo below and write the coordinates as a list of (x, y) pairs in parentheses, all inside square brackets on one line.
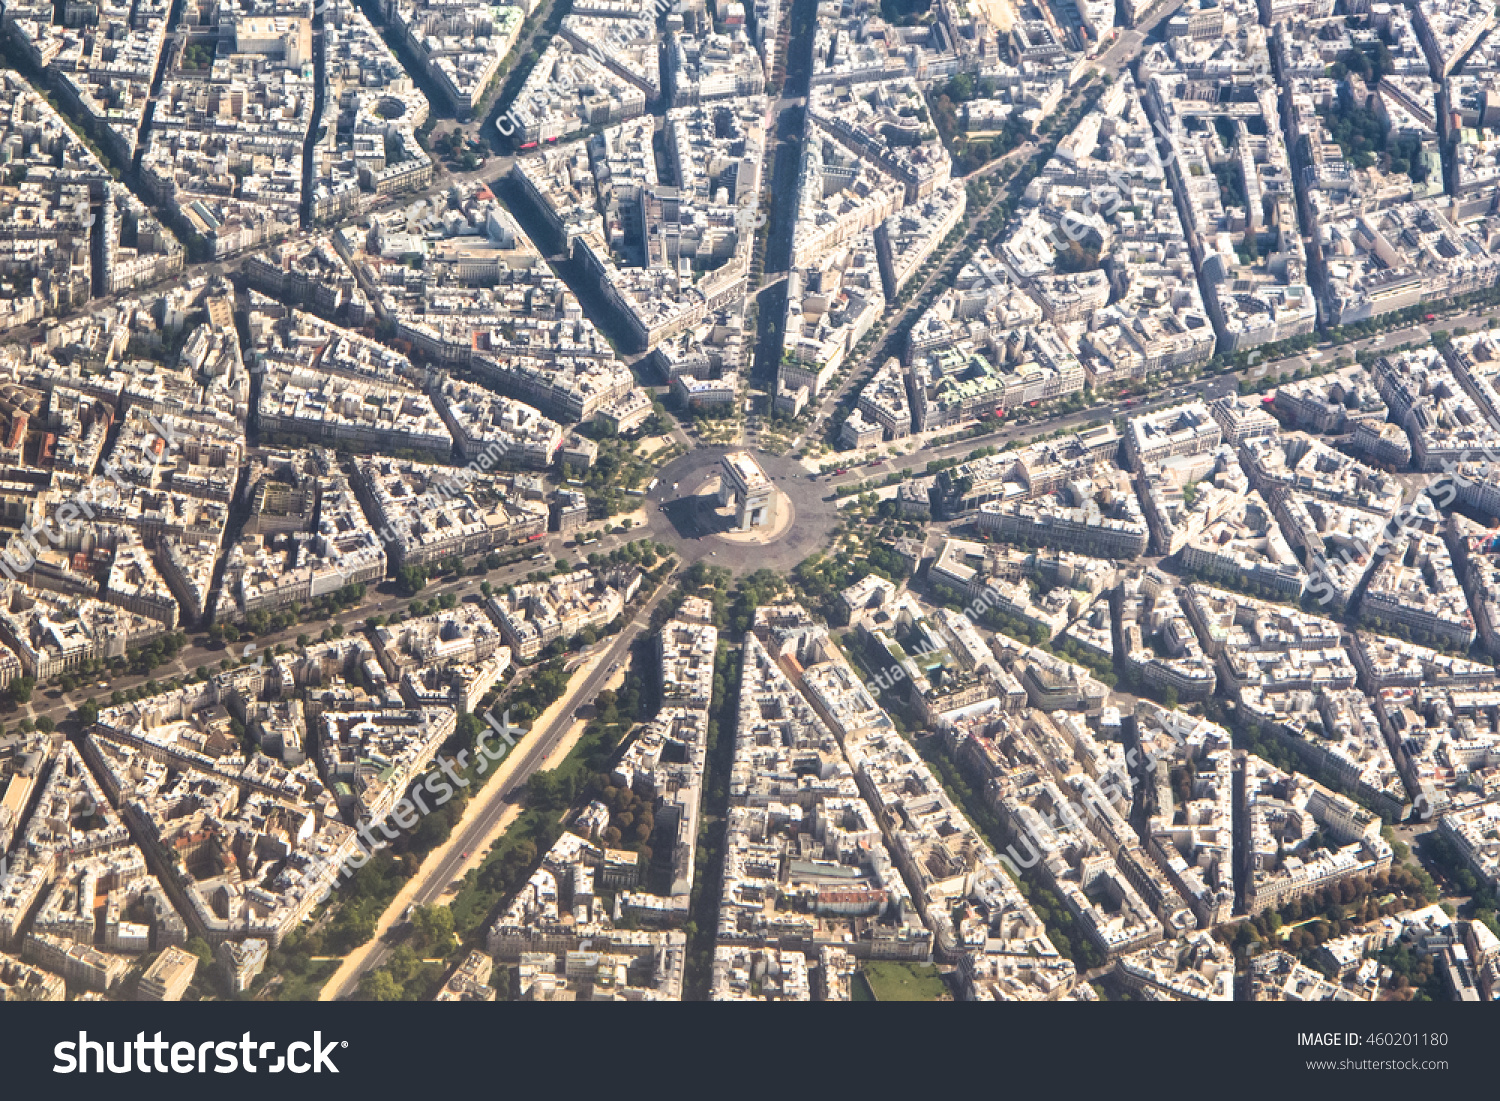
[(707, 512)]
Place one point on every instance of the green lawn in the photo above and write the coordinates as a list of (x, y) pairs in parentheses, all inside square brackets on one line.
[(904, 982), (307, 985)]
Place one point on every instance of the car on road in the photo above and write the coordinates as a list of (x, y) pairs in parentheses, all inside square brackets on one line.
[(466, 854)]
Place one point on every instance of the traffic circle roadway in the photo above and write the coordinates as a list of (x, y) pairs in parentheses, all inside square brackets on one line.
[(691, 523)]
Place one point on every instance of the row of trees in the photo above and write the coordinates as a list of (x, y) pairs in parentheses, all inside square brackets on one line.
[(411, 579), (18, 692), (260, 623), (404, 977), (542, 688), (88, 670), (718, 763), (1062, 928), (441, 602), (43, 723), (1458, 872)]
